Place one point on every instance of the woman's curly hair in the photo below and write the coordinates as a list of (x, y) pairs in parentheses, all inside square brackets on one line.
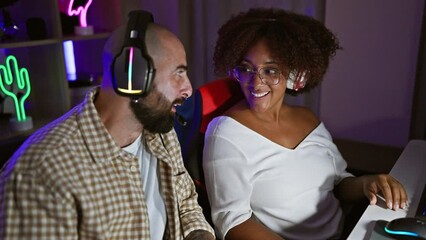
[(296, 41)]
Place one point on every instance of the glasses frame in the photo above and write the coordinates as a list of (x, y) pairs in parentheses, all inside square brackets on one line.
[(259, 72)]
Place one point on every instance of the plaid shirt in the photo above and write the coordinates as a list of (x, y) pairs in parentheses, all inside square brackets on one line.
[(70, 180)]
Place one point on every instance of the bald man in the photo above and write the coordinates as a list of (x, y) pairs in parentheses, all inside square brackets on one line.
[(110, 168)]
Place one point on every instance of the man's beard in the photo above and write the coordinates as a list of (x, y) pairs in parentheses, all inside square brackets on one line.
[(154, 112)]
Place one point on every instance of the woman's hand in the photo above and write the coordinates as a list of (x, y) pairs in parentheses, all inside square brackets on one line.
[(393, 192)]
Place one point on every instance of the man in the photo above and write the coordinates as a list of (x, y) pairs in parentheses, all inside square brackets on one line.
[(110, 168)]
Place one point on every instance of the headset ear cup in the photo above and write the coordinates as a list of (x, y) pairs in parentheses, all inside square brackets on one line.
[(133, 69), (296, 81), (291, 79), (300, 81)]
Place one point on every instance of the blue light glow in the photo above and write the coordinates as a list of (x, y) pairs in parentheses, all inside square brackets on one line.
[(69, 60), (405, 233)]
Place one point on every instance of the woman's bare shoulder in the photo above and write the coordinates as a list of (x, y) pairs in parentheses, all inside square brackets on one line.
[(305, 116)]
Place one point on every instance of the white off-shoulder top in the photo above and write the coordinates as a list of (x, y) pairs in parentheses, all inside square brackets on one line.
[(288, 190)]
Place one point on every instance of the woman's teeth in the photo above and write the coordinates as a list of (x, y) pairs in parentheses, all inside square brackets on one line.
[(258, 95)]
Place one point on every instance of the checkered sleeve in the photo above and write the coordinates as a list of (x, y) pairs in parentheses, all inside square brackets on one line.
[(31, 210), (191, 214)]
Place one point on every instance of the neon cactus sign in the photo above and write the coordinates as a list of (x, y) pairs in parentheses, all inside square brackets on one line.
[(10, 73), (79, 9)]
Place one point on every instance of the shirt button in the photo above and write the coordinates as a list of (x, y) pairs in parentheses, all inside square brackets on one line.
[(133, 168)]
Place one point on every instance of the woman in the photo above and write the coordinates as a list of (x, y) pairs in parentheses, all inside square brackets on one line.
[(272, 170)]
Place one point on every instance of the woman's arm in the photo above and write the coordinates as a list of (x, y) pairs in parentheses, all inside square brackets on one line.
[(251, 230)]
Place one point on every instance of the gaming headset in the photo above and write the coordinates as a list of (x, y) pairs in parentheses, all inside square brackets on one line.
[(133, 69), (296, 81)]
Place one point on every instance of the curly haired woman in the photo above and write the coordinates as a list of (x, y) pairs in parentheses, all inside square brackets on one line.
[(272, 170)]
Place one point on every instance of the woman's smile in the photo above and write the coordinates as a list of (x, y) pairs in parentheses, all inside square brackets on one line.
[(260, 94)]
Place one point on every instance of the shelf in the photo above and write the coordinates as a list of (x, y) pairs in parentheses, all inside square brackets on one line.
[(87, 37), (29, 43), (44, 59), (32, 43), (6, 133)]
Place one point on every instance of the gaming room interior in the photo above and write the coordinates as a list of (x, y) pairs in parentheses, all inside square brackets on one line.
[(373, 97)]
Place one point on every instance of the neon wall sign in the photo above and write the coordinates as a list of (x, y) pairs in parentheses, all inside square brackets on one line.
[(11, 75), (76, 8)]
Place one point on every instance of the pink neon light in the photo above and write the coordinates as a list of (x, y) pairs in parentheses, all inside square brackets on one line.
[(81, 10)]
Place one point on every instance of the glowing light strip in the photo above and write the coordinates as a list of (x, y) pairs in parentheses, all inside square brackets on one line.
[(7, 92), (129, 71), (401, 233), (82, 11), (129, 91), (22, 81), (70, 60), (21, 85)]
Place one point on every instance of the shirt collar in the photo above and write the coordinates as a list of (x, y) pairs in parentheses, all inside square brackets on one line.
[(99, 142)]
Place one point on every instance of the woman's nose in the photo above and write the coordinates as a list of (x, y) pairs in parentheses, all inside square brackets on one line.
[(256, 79)]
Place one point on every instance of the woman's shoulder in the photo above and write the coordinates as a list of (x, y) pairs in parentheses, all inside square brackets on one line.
[(311, 123), (304, 115), (221, 125)]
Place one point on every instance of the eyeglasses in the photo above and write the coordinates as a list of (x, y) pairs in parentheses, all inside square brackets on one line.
[(268, 75)]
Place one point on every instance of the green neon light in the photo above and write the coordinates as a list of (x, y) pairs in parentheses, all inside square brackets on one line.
[(8, 74)]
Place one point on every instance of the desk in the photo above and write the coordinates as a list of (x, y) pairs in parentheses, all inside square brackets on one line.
[(410, 170)]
